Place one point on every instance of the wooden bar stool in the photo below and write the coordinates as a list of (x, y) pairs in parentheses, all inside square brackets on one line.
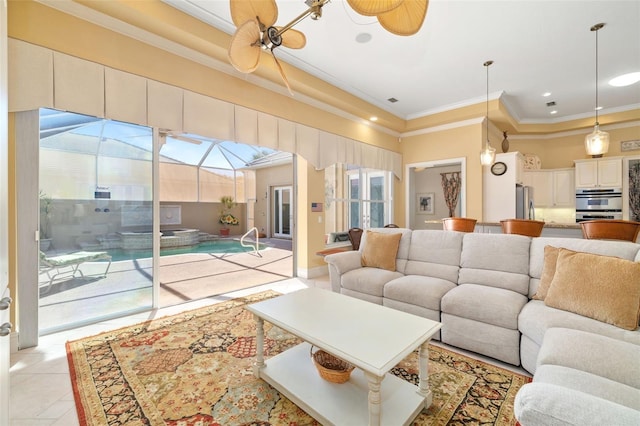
[(461, 224), (610, 229), (528, 227)]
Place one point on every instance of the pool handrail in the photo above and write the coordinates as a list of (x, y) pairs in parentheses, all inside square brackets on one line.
[(256, 244)]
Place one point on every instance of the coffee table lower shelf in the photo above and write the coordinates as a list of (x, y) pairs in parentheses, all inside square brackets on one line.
[(294, 375)]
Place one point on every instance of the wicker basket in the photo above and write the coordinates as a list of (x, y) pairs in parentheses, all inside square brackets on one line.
[(330, 367)]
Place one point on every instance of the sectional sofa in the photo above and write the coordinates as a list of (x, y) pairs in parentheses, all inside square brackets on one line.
[(565, 309)]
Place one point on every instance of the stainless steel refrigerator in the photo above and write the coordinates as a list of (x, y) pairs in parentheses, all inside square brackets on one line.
[(524, 202)]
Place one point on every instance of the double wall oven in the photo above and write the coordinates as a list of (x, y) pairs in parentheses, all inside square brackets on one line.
[(598, 203)]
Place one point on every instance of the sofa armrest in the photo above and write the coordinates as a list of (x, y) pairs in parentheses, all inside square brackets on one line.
[(341, 263), (538, 404)]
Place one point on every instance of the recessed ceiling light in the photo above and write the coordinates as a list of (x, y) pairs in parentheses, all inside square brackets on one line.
[(373, 118), (546, 94), (553, 112), (363, 38), (598, 108), (625, 79)]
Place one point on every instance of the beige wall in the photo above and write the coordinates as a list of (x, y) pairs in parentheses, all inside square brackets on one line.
[(560, 151), (452, 143)]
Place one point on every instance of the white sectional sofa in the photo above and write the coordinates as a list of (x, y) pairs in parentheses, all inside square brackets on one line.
[(481, 287)]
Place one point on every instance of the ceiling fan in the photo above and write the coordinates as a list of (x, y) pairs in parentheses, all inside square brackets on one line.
[(255, 30)]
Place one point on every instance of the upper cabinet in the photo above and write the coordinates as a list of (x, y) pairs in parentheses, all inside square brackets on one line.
[(599, 173), (552, 187)]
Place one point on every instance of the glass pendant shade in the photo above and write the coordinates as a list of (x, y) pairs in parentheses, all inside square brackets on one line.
[(488, 155), (597, 142)]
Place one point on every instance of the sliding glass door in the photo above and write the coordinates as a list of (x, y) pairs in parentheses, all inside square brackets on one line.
[(96, 215)]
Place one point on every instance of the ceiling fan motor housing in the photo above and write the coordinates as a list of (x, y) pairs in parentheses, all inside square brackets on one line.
[(275, 39)]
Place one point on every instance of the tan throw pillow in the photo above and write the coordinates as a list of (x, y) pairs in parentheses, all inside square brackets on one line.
[(380, 250), (548, 271), (604, 288)]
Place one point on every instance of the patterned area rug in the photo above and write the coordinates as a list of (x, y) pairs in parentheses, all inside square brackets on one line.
[(194, 368)]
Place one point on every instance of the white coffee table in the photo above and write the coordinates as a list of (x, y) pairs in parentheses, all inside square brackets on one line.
[(371, 337)]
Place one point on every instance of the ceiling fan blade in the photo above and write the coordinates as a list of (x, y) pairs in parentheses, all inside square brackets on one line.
[(284, 77), (406, 19), (243, 10), (373, 7), (244, 49), (293, 39)]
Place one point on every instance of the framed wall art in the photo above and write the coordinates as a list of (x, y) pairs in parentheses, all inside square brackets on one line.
[(424, 203)]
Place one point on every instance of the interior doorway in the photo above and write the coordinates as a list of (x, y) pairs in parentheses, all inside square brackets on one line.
[(427, 199)]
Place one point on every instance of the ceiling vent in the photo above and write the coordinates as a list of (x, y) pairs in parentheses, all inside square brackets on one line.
[(552, 103), (392, 100)]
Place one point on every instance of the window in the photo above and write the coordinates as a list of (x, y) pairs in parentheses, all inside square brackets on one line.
[(357, 198)]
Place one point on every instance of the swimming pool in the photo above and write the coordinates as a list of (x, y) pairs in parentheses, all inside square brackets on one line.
[(217, 247)]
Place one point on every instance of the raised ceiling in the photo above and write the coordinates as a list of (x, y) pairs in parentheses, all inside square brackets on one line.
[(537, 47)]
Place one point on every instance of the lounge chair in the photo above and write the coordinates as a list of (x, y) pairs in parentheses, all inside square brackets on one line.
[(69, 264)]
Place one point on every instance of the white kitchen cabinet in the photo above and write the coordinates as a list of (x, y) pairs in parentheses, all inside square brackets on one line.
[(599, 173), (564, 192), (552, 187)]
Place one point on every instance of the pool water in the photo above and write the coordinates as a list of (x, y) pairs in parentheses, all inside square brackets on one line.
[(218, 246)]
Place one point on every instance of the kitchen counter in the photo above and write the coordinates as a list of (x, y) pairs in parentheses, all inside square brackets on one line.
[(546, 225), (551, 229)]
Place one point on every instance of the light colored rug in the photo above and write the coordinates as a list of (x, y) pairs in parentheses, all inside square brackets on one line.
[(194, 368)]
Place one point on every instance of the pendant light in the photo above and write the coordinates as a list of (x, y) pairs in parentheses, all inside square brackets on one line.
[(488, 154), (597, 142)]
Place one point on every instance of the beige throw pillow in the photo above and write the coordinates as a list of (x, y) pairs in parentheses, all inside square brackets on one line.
[(380, 250), (604, 288), (548, 271)]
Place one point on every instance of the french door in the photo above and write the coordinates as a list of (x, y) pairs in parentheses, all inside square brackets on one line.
[(282, 212), (369, 199)]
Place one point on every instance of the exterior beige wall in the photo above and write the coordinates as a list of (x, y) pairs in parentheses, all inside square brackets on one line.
[(265, 180)]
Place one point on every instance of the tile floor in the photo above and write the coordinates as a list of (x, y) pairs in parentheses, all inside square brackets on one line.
[(41, 391)]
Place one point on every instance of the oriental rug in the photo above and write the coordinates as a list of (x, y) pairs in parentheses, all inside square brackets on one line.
[(195, 369)]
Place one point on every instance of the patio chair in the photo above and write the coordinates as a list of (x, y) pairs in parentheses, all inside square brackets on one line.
[(69, 264)]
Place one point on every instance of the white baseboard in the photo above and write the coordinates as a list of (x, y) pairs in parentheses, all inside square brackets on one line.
[(316, 272)]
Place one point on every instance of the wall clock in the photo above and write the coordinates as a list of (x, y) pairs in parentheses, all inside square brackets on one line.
[(499, 168)]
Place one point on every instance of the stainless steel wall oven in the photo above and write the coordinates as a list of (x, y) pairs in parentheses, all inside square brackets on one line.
[(598, 203)]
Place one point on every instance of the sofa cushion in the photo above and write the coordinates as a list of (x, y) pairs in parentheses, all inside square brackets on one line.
[(548, 271), (536, 318), (593, 384), (368, 280), (600, 355), (495, 260), (489, 305), (600, 287), (435, 254), (418, 290), (381, 250), (547, 404)]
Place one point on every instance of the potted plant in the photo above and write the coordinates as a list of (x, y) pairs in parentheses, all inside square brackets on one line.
[(46, 210), (226, 218)]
